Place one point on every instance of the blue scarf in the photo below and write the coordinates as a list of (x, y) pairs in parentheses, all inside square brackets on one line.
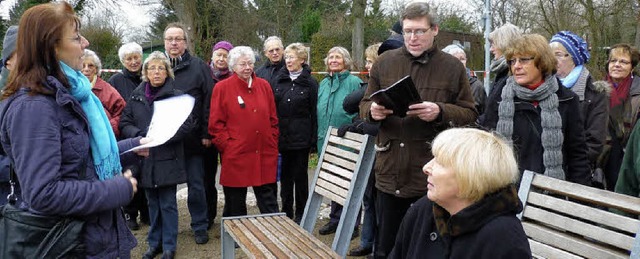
[(572, 77), (104, 147)]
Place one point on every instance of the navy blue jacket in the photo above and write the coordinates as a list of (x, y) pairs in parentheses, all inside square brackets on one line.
[(47, 138)]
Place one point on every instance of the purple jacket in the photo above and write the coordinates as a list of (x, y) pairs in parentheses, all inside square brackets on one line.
[(47, 138)]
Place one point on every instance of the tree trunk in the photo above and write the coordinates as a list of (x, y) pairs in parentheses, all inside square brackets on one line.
[(357, 39)]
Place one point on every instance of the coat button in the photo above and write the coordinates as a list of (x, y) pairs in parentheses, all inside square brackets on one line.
[(257, 151), (401, 144), (255, 110), (257, 131), (288, 100), (433, 236), (249, 90), (397, 192)]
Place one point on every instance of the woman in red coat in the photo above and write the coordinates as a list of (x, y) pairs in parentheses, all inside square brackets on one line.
[(244, 125)]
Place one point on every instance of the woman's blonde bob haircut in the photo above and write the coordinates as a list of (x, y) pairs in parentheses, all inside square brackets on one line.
[(299, 50), (536, 46), (156, 55), (482, 162)]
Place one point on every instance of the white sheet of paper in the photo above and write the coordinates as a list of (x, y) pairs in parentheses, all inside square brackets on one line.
[(168, 115)]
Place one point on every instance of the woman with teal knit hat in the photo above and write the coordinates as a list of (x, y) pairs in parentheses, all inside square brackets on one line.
[(572, 53)]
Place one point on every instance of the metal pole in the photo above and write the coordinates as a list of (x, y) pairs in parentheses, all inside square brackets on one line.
[(486, 15)]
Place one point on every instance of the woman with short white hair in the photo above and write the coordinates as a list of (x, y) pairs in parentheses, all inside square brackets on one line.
[(244, 126), (471, 202), (125, 81)]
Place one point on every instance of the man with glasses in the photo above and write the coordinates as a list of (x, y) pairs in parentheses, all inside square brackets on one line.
[(274, 51), (402, 144), (192, 76)]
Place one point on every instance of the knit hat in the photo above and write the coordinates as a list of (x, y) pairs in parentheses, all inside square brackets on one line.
[(9, 43), (575, 45), (222, 45)]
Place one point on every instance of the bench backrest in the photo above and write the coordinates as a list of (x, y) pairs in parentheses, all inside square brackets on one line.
[(341, 176), (569, 220)]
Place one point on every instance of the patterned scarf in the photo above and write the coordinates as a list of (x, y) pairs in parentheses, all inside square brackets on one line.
[(104, 147), (620, 91), (552, 137)]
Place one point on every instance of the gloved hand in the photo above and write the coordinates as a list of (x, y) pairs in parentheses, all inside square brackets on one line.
[(343, 129)]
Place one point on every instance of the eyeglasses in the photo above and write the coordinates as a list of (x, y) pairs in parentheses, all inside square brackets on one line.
[(243, 65), (417, 32), (160, 69), (619, 61), (77, 39), (290, 57), (522, 61), (177, 39), (561, 55)]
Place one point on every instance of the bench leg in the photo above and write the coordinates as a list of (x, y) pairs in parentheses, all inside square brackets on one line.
[(227, 243)]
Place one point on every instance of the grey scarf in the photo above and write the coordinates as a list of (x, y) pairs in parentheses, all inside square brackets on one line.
[(552, 138), (498, 65)]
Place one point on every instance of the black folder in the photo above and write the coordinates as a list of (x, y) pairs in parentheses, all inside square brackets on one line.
[(398, 96)]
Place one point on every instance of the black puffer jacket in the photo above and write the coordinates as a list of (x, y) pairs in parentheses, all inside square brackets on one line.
[(527, 132), (296, 105), (125, 82), (165, 164)]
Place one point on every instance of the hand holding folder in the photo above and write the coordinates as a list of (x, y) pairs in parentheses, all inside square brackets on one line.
[(398, 96)]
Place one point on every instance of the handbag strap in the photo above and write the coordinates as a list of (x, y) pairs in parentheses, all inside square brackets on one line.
[(12, 198)]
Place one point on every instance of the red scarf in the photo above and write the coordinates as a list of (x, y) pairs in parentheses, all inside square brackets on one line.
[(620, 91)]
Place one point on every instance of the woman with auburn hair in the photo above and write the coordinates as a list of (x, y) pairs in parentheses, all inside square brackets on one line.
[(59, 138), (471, 202), (536, 112)]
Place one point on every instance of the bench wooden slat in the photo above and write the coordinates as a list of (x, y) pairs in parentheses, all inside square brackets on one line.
[(335, 140), (333, 169), (329, 194), (341, 153), (590, 194), (315, 244), (266, 238), (598, 216), (349, 135), (335, 181), (247, 242), (349, 165), (569, 243), (333, 188), (293, 242), (578, 227), (540, 250)]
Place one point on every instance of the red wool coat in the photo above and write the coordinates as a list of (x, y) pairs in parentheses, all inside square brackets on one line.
[(112, 102), (247, 137)]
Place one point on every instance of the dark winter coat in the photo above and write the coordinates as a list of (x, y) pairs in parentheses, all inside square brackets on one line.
[(269, 71), (351, 104), (487, 229), (527, 132), (47, 137), (165, 164), (594, 108), (125, 82), (193, 77), (296, 105), (403, 143), (479, 95)]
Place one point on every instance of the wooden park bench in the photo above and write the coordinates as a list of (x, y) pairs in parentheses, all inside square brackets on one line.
[(341, 176), (569, 220)]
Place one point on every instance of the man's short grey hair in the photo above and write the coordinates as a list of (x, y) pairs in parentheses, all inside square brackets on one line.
[(128, 49), (272, 38), (156, 55), (96, 60), (240, 51), (179, 26), (417, 10), (503, 35), (454, 49), (348, 62)]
